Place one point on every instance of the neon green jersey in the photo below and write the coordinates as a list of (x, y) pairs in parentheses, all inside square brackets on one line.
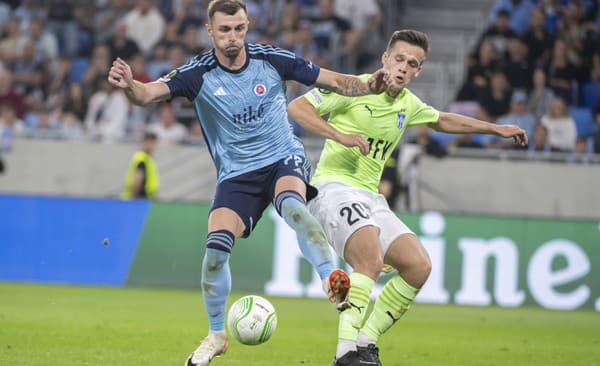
[(381, 119)]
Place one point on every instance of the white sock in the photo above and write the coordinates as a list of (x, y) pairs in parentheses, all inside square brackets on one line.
[(364, 340), (344, 346)]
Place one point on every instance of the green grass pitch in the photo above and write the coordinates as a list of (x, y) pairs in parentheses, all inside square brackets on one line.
[(63, 326)]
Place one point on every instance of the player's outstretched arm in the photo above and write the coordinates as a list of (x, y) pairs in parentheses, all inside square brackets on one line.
[(138, 93), (457, 123), (353, 86), (305, 114)]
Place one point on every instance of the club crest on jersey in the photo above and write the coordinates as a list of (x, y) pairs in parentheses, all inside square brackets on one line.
[(400, 121), (260, 90)]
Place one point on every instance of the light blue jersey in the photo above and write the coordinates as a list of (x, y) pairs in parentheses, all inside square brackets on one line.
[(243, 113)]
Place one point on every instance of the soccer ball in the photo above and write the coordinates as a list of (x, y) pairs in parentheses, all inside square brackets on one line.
[(252, 320)]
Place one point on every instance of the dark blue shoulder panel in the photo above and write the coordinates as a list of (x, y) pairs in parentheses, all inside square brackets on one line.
[(287, 64), (186, 80)]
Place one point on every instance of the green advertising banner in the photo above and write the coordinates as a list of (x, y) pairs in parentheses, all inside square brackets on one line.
[(476, 260)]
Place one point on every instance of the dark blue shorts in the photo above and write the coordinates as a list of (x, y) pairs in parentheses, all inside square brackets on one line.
[(250, 193)]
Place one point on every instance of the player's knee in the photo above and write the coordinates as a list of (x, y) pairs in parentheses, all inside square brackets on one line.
[(297, 215), (423, 269), (426, 269), (425, 264), (292, 207), (368, 265), (375, 267), (218, 249)]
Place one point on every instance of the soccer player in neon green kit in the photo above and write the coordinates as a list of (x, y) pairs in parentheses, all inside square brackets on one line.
[(357, 220)]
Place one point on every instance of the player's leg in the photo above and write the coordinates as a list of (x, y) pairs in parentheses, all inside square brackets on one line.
[(409, 257), (224, 226), (236, 208), (290, 191), (363, 252), (345, 213), (290, 202)]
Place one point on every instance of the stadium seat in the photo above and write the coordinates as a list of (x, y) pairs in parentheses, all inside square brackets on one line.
[(590, 93), (78, 67), (583, 120), (481, 139), (442, 138)]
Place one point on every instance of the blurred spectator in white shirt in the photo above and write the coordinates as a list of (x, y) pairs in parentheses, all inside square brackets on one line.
[(145, 25), (364, 17), (562, 132), (107, 113), (362, 14), (167, 129)]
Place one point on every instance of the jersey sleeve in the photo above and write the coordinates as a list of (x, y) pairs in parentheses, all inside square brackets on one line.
[(291, 67), (422, 113), (326, 101), (185, 81)]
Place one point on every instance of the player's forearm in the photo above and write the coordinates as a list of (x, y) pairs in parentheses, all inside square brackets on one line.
[(457, 123), (136, 93), (140, 93), (350, 86), (301, 111)]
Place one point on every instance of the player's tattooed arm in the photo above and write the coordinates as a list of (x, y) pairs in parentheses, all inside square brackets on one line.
[(352, 86)]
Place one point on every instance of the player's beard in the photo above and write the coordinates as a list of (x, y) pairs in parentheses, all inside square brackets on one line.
[(232, 51)]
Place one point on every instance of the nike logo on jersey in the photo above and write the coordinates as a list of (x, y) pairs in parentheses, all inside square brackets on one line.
[(220, 92), (249, 115), (369, 109)]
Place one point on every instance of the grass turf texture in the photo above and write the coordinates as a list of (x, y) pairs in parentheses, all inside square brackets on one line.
[(61, 325)]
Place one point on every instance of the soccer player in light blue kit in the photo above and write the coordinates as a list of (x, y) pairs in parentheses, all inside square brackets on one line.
[(238, 91)]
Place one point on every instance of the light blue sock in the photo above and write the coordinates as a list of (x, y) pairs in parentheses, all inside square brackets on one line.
[(216, 277), (311, 237)]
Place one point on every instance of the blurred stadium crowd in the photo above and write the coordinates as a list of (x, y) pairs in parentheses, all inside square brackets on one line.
[(55, 57), (536, 65)]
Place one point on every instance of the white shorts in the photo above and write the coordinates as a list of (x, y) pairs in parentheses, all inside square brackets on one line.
[(342, 209)]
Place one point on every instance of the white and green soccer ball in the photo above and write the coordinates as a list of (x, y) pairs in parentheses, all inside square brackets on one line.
[(252, 320)]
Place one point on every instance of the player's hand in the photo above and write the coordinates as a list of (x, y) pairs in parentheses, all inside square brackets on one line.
[(379, 81), (120, 74), (518, 134), (359, 141)]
